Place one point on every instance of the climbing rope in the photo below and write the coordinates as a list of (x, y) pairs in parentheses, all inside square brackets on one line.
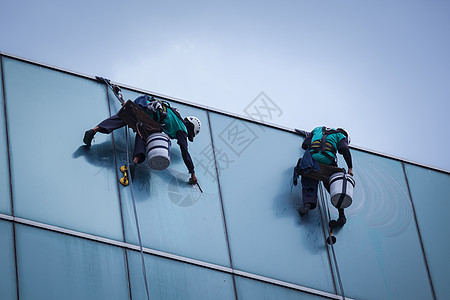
[(136, 216), (327, 216), (117, 92)]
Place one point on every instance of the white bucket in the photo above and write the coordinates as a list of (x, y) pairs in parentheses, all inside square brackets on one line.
[(158, 150), (341, 194)]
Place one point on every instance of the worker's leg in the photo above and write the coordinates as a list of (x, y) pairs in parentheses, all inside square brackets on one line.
[(139, 150), (309, 194), (109, 125), (106, 126)]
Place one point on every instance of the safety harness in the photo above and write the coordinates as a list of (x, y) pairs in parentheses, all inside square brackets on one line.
[(322, 146), (158, 109)]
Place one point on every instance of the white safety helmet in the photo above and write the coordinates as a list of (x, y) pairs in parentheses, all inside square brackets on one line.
[(196, 125)]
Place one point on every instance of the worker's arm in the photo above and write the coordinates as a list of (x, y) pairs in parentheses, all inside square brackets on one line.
[(182, 142), (345, 151)]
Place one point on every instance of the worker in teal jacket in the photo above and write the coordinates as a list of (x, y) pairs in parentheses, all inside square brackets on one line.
[(323, 144), (171, 122)]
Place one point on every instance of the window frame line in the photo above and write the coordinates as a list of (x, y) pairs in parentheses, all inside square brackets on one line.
[(171, 256)]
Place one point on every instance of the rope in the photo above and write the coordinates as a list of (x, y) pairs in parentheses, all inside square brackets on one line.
[(325, 205), (120, 98), (325, 231), (136, 216), (138, 131)]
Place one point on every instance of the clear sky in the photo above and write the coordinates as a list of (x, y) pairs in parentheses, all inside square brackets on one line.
[(380, 69)]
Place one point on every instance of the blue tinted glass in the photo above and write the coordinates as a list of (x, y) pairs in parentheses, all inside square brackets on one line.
[(253, 289), (169, 279), (267, 236), (7, 269), (431, 194), (5, 200), (378, 250), (56, 180), (174, 216), (58, 266)]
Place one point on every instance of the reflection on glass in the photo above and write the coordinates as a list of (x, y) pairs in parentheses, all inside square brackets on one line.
[(378, 250), (253, 289), (7, 268), (57, 180), (169, 279), (267, 235), (5, 200), (431, 194), (58, 266)]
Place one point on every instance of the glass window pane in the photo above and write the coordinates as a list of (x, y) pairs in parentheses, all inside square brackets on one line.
[(174, 216), (7, 268), (169, 279), (378, 250), (431, 194), (254, 289), (267, 236), (57, 266), (5, 199), (56, 180)]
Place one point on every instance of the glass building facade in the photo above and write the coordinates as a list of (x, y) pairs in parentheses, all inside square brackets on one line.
[(69, 230)]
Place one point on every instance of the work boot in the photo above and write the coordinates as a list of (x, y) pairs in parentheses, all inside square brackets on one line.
[(88, 136), (305, 209), (342, 219)]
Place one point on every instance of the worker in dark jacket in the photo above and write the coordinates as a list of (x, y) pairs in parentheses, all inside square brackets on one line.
[(322, 144), (171, 122)]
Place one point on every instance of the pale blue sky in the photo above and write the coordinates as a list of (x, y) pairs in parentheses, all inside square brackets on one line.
[(381, 69)]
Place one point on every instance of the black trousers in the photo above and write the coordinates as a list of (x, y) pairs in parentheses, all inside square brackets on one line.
[(112, 123), (309, 190)]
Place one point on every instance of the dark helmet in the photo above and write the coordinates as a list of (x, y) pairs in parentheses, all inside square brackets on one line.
[(344, 132)]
